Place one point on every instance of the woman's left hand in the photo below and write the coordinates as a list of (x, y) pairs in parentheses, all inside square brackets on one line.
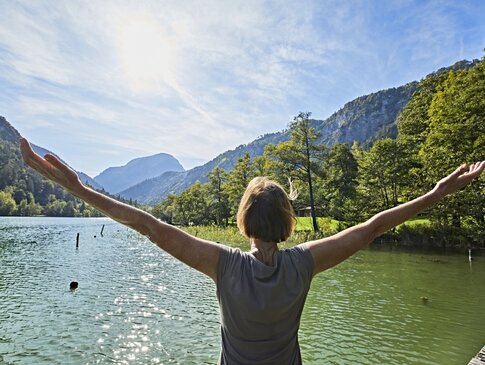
[(459, 178)]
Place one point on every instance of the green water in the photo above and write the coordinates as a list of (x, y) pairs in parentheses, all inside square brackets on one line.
[(137, 305)]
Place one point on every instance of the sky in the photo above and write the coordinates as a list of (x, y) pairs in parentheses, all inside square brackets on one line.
[(102, 82)]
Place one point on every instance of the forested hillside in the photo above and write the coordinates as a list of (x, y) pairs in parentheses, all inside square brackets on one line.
[(363, 120), (23, 192), (441, 127)]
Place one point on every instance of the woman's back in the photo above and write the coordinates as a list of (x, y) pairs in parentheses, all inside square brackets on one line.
[(261, 305)]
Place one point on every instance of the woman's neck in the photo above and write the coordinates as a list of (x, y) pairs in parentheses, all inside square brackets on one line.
[(263, 250)]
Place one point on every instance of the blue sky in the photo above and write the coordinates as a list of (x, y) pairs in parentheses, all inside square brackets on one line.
[(103, 82)]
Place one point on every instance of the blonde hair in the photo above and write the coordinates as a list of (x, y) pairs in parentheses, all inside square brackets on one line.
[(265, 211)]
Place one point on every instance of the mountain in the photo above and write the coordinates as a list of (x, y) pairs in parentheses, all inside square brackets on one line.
[(359, 120), (153, 191), (116, 179), (364, 119), (9, 134)]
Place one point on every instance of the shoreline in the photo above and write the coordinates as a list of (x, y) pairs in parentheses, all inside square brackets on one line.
[(426, 239)]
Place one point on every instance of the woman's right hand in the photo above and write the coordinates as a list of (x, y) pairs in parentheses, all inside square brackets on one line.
[(50, 167), (200, 254)]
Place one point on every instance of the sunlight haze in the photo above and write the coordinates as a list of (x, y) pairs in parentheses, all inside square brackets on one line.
[(103, 82)]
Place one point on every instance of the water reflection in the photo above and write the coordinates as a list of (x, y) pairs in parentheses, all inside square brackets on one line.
[(137, 305), (378, 316)]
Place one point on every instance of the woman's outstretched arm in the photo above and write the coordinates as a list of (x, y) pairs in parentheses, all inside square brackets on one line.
[(330, 251), (200, 254)]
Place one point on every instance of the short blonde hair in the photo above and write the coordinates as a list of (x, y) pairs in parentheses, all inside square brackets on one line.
[(265, 211)]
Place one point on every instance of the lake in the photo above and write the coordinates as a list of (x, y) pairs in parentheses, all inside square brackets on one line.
[(137, 305)]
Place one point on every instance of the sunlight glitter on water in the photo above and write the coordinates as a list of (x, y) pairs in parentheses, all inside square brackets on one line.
[(137, 305)]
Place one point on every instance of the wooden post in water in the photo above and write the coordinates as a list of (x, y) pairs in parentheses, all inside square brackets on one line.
[(102, 229), (77, 240), (479, 359)]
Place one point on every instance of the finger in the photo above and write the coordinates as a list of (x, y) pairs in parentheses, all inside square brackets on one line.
[(28, 153), (474, 166), (479, 167), (54, 161), (61, 167), (475, 170), (25, 148), (459, 171), (33, 160)]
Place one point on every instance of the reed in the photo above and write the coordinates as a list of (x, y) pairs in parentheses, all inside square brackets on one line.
[(231, 236)]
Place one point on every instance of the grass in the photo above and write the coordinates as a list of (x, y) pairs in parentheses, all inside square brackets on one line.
[(227, 235), (325, 224), (419, 232), (230, 235), (416, 223)]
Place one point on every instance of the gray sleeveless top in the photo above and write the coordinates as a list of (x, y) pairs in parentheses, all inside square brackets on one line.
[(261, 305)]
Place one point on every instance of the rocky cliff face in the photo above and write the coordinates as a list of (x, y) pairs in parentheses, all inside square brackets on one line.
[(365, 117)]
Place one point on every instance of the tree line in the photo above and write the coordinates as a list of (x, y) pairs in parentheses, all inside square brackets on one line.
[(440, 128)]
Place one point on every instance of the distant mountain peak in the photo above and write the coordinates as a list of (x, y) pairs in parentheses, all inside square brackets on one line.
[(118, 178)]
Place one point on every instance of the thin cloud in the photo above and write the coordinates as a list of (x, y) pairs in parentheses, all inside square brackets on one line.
[(228, 71)]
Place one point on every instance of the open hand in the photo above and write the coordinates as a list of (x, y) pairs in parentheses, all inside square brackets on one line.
[(50, 167), (459, 178)]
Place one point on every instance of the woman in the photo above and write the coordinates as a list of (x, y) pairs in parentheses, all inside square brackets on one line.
[(261, 293)]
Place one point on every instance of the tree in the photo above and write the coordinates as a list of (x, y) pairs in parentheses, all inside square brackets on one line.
[(413, 121), (220, 201), (237, 181), (192, 206), (339, 182), (262, 166), (457, 135), (384, 172), (165, 210), (26, 209), (7, 203), (300, 157), (69, 210), (55, 208)]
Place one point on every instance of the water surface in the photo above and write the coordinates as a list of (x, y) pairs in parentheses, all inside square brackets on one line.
[(137, 305)]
